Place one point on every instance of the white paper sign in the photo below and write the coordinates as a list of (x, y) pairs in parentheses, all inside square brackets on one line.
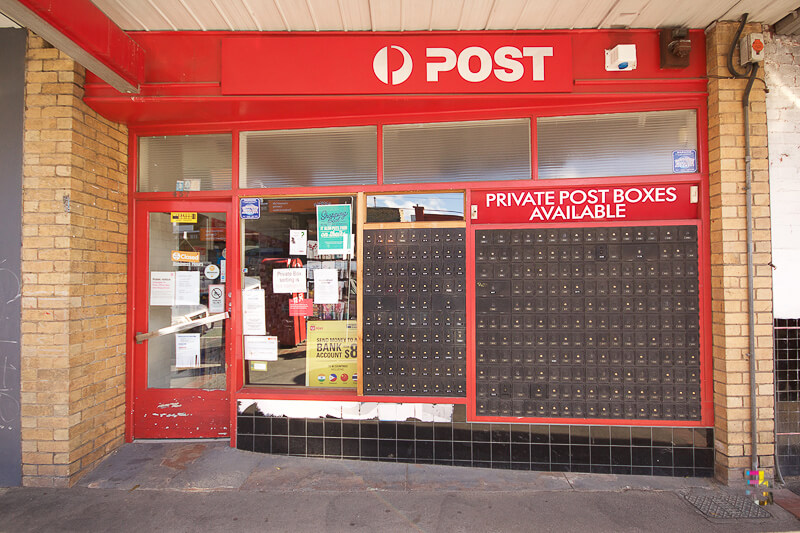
[(260, 348), (187, 288), (253, 312), (298, 239), (216, 298), (162, 288), (326, 286), (288, 280), (187, 350)]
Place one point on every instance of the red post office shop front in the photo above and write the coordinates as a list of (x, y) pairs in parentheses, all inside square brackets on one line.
[(473, 249)]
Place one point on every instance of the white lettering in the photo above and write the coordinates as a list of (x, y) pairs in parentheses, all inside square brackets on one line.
[(433, 69), (484, 67), (537, 55), (510, 69), (490, 197)]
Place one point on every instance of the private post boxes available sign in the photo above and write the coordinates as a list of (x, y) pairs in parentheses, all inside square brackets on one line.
[(584, 204), (332, 353)]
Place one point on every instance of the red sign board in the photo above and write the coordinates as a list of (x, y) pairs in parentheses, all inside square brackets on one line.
[(432, 63), (299, 306), (584, 204)]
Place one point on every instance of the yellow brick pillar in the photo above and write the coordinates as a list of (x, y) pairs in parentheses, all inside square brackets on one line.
[(74, 264), (729, 284)]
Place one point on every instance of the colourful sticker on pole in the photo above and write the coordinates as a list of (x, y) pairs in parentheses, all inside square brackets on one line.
[(334, 223)]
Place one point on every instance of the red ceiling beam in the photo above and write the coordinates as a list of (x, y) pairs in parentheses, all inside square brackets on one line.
[(81, 30)]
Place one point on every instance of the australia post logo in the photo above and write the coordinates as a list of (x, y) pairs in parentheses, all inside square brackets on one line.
[(394, 65)]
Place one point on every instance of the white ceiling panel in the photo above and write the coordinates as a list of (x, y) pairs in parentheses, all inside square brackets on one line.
[(591, 13), (414, 15), (475, 14), (176, 14), (266, 15), (236, 14), (355, 14), (417, 15), (145, 14), (386, 15), (327, 14), (446, 13), (506, 14), (297, 15)]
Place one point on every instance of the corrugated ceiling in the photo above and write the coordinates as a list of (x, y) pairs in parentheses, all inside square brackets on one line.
[(411, 15)]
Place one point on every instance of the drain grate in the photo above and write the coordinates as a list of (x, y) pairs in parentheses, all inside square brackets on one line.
[(727, 506)]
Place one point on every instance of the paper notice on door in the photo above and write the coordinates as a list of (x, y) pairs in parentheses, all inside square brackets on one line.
[(288, 280), (162, 288), (254, 312), (187, 350), (326, 286), (298, 239), (187, 288), (260, 348)]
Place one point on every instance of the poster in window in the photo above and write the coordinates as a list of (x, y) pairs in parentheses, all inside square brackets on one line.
[(334, 223), (332, 354)]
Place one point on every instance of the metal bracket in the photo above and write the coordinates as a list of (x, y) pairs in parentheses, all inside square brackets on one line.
[(177, 328)]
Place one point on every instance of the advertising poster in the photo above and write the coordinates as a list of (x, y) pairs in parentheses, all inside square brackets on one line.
[(333, 228), (331, 354)]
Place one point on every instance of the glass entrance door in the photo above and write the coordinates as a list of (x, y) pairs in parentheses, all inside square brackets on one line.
[(181, 320)]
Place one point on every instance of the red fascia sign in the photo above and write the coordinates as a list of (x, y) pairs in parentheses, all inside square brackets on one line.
[(397, 64), (584, 204)]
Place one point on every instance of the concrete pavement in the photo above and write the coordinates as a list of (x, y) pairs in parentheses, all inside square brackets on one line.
[(207, 486)]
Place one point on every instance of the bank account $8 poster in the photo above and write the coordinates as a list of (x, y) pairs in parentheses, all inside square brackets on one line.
[(332, 354)]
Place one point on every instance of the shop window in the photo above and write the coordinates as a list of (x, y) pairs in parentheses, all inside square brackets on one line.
[(619, 144), (486, 150), (299, 293), (427, 207), (308, 157), (185, 163)]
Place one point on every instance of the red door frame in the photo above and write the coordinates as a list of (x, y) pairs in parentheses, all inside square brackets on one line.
[(176, 411)]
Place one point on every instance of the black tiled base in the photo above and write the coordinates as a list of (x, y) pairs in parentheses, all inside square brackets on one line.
[(639, 450)]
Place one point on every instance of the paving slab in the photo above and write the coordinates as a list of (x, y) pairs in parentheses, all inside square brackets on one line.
[(436, 477), (614, 482), (217, 468)]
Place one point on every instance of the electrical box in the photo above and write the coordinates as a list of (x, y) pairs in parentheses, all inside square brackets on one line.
[(751, 48), (621, 58)]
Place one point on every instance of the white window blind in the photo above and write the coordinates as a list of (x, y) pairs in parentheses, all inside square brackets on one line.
[(457, 151), (309, 157), (203, 159), (619, 144)]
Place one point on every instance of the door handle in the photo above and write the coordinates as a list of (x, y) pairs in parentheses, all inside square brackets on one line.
[(177, 328)]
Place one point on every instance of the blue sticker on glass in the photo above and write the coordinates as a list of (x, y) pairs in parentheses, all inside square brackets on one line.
[(250, 208), (684, 161)]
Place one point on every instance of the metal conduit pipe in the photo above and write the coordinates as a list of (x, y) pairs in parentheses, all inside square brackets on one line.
[(751, 319)]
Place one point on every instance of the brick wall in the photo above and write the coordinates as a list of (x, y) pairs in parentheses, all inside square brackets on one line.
[(729, 283), (74, 253), (782, 73)]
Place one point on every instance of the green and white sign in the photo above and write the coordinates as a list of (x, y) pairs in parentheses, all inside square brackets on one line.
[(333, 228)]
